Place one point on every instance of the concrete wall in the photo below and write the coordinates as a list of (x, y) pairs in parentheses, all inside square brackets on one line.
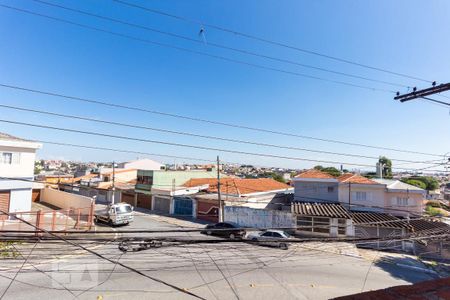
[(65, 200), (374, 196), (22, 165), (20, 200), (259, 218), (141, 164), (415, 203), (311, 191)]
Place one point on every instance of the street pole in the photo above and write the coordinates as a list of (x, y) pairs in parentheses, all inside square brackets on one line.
[(349, 194), (113, 182), (221, 208)]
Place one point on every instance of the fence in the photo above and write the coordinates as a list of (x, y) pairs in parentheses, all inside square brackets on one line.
[(52, 220)]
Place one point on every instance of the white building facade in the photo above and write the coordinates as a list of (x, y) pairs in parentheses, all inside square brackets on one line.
[(17, 157)]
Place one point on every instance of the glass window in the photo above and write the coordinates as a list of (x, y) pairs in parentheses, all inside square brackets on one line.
[(402, 201), (267, 234), (276, 234), (330, 189), (7, 158), (361, 196)]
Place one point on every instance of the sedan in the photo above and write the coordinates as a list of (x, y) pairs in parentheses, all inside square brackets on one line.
[(277, 238), (225, 229)]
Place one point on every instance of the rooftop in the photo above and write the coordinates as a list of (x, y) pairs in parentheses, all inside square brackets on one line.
[(238, 186), (397, 185), (355, 178), (378, 220), (315, 174), (316, 209)]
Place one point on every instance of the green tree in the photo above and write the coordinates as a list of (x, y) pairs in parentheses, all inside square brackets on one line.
[(430, 182), (386, 165), (278, 177), (415, 182), (330, 170), (38, 167)]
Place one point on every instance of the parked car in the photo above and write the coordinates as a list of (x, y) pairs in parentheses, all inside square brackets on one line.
[(277, 238), (116, 214), (225, 229)]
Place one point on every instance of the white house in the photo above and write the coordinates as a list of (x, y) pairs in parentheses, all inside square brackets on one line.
[(142, 164), (17, 158)]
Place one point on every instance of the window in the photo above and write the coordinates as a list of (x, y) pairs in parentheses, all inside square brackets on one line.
[(313, 224), (145, 180), (342, 226), (267, 234), (361, 196), (330, 189), (276, 234), (402, 201), (6, 158)]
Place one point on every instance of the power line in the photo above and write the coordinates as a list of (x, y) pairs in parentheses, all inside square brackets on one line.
[(197, 135), (179, 144), (187, 38), (106, 258), (249, 36), (141, 109), (219, 57)]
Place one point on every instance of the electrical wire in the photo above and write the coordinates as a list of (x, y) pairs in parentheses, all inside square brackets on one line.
[(239, 126), (249, 36), (201, 53), (248, 142), (183, 145), (221, 46)]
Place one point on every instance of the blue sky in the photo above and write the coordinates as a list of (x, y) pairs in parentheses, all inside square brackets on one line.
[(403, 36)]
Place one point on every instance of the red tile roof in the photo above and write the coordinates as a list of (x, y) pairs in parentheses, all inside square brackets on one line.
[(427, 290), (315, 174), (355, 178), (238, 186)]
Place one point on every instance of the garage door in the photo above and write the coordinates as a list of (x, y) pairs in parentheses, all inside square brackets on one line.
[(183, 207), (144, 201), (128, 198), (162, 205), (4, 203)]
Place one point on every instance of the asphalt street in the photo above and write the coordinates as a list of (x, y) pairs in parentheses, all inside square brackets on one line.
[(211, 271)]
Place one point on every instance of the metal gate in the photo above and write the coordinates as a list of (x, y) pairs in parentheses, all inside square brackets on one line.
[(183, 207), (162, 205)]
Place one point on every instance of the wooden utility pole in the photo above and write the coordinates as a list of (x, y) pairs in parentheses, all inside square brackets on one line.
[(113, 182), (424, 93), (221, 208)]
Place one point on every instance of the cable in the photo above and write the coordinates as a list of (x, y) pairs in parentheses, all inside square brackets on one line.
[(187, 38), (234, 32), (197, 135), (183, 145), (141, 109), (436, 101), (219, 57), (108, 259)]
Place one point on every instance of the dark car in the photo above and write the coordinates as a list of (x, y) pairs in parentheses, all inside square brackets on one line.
[(224, 229)]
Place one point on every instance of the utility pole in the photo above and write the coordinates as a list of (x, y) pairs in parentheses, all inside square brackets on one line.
[(424, 93), (221, 208), (349, 195), (113, 182)]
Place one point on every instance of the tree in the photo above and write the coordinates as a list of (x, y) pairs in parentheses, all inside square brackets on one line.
[(386, 166), (415, 182), (330, 170), (277, 177), (38, 167), (430, 183)]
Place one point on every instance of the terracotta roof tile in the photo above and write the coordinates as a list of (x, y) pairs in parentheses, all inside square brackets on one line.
[(355, 178), (315, 174), (238, 186)]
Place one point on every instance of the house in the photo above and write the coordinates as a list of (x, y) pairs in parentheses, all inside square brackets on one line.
[(260, 193), (358, 193), (142, 164), (17, 158), (402, 199), (322, 219), (149, 179)]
